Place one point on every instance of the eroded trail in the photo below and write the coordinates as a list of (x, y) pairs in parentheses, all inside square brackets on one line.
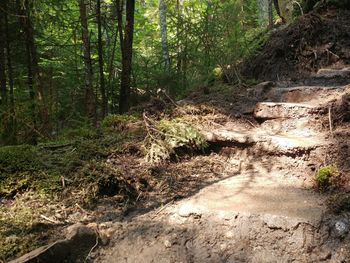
[(266, 210), (251, 199)]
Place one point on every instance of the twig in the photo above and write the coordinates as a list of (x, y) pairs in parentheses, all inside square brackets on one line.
[(330, 120), (63, 182), (251, 123), (49, 219), (168, 97), (137, 199), (163, 207), (96, 244), (298, 4)]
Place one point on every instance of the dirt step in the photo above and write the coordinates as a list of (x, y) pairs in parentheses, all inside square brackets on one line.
[(291, 92), (329, 73), (302, 126), (248, 218), (263, 141), (276, 110), (257, 193)]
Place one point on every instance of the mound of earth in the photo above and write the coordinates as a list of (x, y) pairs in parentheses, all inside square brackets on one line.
[(317, 40)]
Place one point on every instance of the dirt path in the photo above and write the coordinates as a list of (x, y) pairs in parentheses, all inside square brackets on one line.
[(251, 199), (266, 211)]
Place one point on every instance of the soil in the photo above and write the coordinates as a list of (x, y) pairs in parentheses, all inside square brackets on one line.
[(317, 40)]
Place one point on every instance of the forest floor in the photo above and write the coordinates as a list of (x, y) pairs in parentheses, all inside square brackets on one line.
[(249, 195)]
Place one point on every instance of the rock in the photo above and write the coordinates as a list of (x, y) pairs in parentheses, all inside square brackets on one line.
[(333, 73), (167, 243), (341, 227), (78, 243)]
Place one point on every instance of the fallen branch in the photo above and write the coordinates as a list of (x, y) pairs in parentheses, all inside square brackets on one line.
[(50, 220)]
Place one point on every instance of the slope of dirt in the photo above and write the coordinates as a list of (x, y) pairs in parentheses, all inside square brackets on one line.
[(266, 209), (316, 40)]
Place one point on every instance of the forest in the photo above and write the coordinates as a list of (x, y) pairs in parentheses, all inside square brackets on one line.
[(175, 130)]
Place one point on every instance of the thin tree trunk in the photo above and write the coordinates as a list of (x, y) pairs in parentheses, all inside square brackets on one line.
[(100, 61), (37, 81), (270, 12), (263, 9), (12, 124), (124, 99), (25, 23), (110, 72), (164, 34), (178, 30), (3, 84), (89, 92)]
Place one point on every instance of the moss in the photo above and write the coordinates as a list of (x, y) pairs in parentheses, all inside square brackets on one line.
[(115, 120), (18, 159), (31, 184), (325, 177), (81, 132), (20, 227)]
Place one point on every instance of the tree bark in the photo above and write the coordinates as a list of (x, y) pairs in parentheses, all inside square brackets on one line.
[(89, 92), (24, 16), (164, 35), (3, 84), (100, 60), (270, 12), (12, 124), (126, 46)]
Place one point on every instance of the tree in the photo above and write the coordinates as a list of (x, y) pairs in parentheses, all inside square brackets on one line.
[(126, 45), (164, 34), (89, 93), (100, 60), (3, 85)]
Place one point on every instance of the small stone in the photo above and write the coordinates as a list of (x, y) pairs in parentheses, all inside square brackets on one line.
[(341, 228), (229, 234), (167, 243)]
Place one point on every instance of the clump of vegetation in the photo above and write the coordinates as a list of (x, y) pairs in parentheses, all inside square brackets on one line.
[(326, 177), (116, 121), (166, 138), (18, 159), (97, 179)]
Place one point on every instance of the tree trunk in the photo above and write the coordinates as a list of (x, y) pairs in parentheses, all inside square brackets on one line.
[(164, 34), (89, 92), (178, 33), (100, 60), (3, 84), (38, 85), (270, 12), (124, 99), (263, 7), (12, 123), (24, 16)]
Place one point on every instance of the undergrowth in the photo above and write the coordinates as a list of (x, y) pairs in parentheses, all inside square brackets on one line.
[(69, 171), (167, 138), (327, 177)]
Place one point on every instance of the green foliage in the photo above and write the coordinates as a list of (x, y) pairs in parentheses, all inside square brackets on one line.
[(169, 137), (15, 159), (325, 177), (84, 131), (115, 120)]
